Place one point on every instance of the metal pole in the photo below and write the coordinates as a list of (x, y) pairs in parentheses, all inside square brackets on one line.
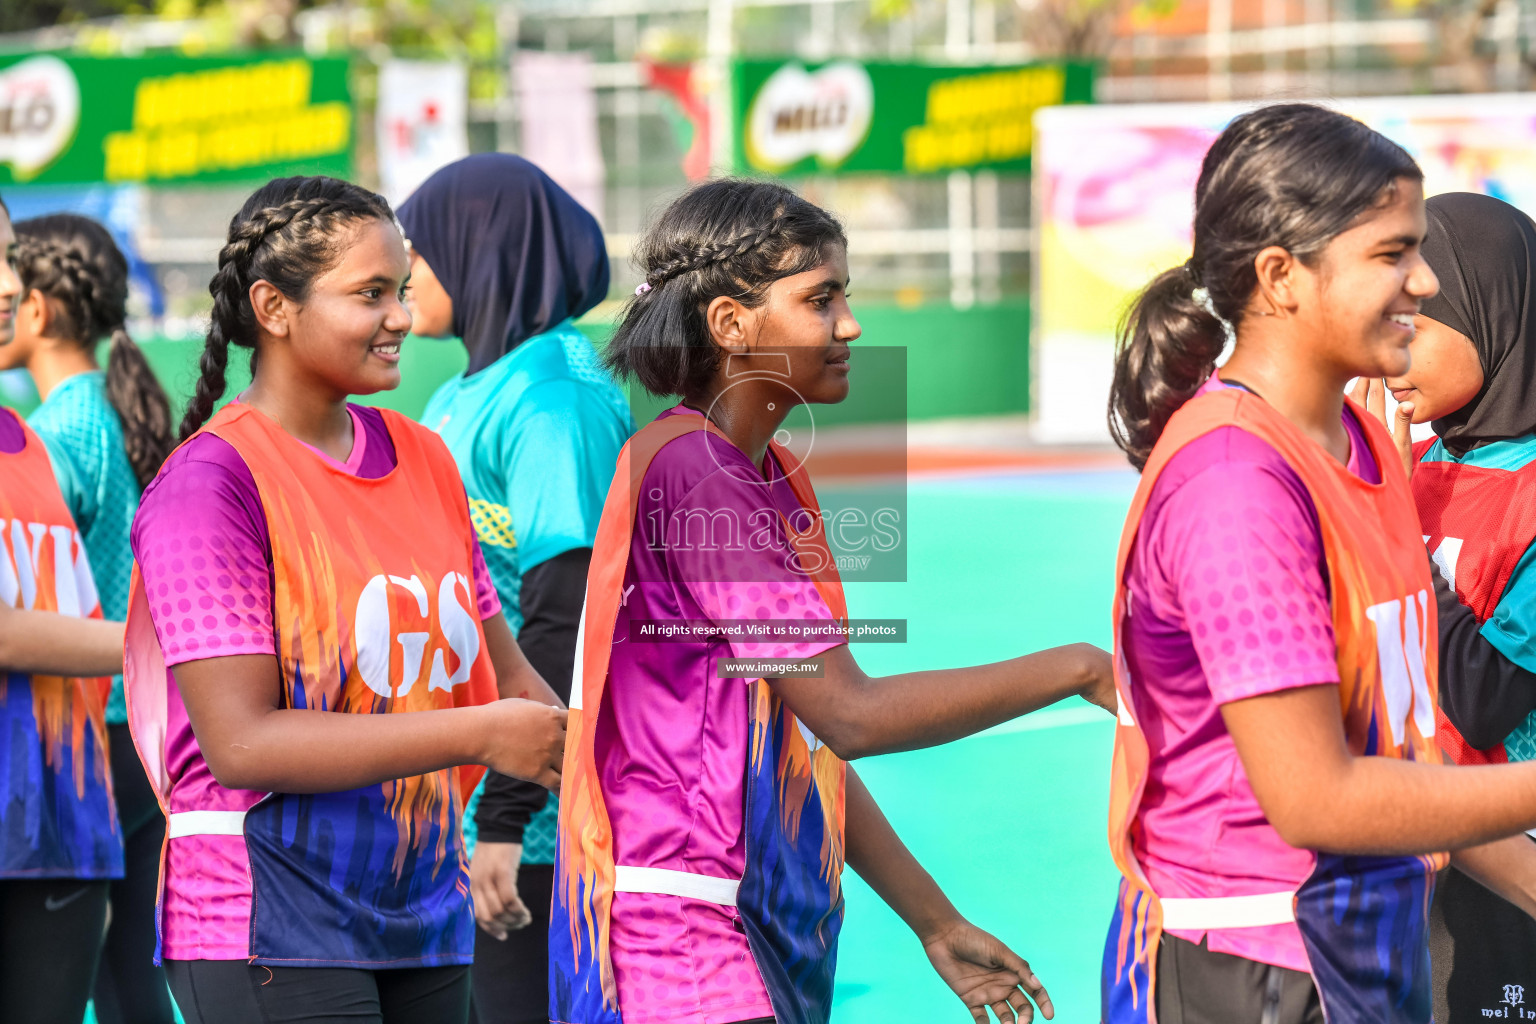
[(957, 29), (1317, 17), (962, 241), (984, 29), (626, 129), (1218, 43), (823, 30), (1274, 60), (506, 107), (1506, 29), (718, 48), (962, 250), (988, 220)]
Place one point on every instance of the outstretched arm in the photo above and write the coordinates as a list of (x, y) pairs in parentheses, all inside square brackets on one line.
[(1506, 868), (48, 643), (857, 715), (1319, 796), (252, 742), (981, 970)]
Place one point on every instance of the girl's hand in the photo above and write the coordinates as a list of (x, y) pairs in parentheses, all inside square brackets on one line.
[(1101, 689), (526, 740), (983, 972), (1371, 392), (493, 885)]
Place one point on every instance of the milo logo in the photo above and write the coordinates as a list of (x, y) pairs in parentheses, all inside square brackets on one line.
[(39, 112), (798, 114)]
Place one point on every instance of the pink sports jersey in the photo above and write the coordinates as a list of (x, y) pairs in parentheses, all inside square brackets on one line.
[(1230, 600), (675, 795), (201, 542)]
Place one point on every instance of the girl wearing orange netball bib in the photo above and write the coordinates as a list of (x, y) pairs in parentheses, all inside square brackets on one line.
[(1278, 806), (314, 644), (60, 841)]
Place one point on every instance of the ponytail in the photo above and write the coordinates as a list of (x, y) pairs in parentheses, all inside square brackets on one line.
[(73, 261), (1168, 346), (289, 232), (141, 405), (1292, 175)]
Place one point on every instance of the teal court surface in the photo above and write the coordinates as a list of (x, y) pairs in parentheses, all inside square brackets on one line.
[(1012, 822)]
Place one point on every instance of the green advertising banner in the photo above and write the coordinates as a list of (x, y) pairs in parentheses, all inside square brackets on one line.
[(847, 116), (69, 119)]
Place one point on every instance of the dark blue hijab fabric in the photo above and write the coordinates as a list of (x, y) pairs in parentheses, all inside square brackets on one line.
[(513, 250)]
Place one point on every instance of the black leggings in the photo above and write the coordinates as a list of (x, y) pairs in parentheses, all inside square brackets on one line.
[(511, 977), (235, 992), (1482, 951), (1197, 985), (130, 989), (50, 936)]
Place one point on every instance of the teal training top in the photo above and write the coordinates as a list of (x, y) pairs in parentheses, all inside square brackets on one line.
[(1511, 629), (84, 439), (536, 435)]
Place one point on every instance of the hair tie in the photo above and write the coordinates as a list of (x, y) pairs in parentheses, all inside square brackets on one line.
[(643, 287)]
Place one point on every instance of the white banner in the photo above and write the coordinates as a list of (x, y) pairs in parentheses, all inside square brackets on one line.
[(557, 108), (1114, 198), (423, 106)]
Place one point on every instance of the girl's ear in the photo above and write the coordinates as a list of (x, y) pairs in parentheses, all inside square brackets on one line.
[(727, 319), (35, 315), (270, 307), (1275, 294)]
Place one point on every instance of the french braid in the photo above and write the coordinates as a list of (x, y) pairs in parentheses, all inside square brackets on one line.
[(288, 233)]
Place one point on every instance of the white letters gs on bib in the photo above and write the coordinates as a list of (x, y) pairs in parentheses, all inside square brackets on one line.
[(375, 635)]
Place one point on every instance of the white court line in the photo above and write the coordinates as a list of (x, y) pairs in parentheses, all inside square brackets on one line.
[(1051, 720)]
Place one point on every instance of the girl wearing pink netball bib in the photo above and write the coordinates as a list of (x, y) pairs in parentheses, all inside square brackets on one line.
[(706, 808), (314, 645)]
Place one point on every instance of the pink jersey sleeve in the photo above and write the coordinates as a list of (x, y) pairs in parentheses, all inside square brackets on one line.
[(201, 542), (1240, 548), (749, 581)]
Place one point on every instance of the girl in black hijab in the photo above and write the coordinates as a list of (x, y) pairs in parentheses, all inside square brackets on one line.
[(1473, 375), (503, 258)]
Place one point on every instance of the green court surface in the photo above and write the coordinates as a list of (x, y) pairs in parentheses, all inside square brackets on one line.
[(1012, 822)]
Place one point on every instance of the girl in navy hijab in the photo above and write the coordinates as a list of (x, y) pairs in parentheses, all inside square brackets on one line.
[(503, 258)]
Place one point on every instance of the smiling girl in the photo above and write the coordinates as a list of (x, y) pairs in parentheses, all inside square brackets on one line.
[(107, 434), (314, 644), (1474, 361), (1278, 801), (60, 842), (702, 819)]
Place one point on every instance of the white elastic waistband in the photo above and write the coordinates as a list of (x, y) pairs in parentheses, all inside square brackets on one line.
[(1228, 911), (666, 882), (206, 823)]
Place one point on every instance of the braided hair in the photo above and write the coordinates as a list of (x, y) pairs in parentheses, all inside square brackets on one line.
[(80, 271), (289, 232), (731, 237)]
